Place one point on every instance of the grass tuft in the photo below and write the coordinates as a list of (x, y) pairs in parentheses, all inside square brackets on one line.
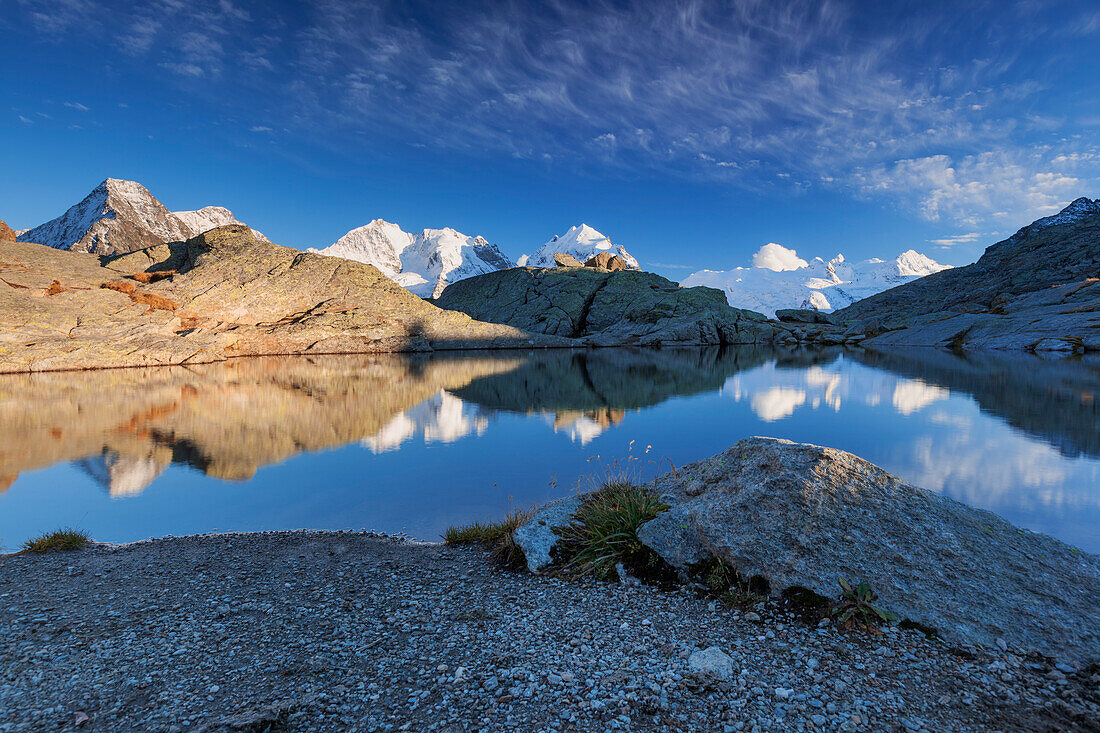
[(497, 536), (604, 531), (723, 580), (60, 540)]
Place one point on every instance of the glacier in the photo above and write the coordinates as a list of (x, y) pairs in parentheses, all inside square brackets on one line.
[(780, 279)]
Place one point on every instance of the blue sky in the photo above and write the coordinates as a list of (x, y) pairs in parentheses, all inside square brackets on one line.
[(691, 132)]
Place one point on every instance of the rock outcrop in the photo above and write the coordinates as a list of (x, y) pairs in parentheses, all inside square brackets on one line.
[(607, 262), (1038, 290), (802, 516), (221, 294), (606, 308), (7, 234), (803, 315), (563, 259)]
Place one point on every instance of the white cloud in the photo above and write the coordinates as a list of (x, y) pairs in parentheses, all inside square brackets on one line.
[(259, 128), (778, 258), (955, 239), (77, 106), (975, 189)]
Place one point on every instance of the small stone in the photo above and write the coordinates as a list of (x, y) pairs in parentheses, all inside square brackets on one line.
[(712, 663), (752, 616)]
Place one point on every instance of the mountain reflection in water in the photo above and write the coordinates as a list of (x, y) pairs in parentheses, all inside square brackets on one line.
[(1016, 434)]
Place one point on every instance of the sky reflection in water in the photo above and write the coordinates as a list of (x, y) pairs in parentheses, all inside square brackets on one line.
[(415, 444)]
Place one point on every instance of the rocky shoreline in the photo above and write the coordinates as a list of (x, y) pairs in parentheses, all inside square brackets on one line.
[(339, 631)]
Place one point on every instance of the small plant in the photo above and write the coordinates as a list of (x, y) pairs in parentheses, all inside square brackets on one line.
[(723, 580), (497, 536), (857, 606), (60, 540), (604, 531)]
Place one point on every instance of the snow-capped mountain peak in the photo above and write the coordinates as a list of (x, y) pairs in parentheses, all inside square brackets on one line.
[(582, 242), (818, 284), (423, 263), (117, 216), (378, 243), (122, 216), (912, 263)]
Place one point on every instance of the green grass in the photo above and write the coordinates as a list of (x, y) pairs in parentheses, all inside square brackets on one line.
[(604, 531), (60, 540), (723, 581), (497, 536)]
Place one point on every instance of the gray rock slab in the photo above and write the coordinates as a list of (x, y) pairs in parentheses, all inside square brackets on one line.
[(603, 308), (802, 515)]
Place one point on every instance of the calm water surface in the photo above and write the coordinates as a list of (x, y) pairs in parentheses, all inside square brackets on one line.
[(415, 444)]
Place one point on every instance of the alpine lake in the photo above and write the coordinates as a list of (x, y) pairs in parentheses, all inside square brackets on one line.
[(416, 443)]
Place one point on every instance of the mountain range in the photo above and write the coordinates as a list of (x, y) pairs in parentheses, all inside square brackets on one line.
[(423, 263), (780, 279), (122, 216)]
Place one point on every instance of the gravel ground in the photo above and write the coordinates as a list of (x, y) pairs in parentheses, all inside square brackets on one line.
[(353, 631)]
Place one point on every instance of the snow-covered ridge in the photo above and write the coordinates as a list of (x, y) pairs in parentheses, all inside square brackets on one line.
[(781, 279), (211, 217), (582, 242), (122, 216), (428, 262), (1077, 210), (423, 263)]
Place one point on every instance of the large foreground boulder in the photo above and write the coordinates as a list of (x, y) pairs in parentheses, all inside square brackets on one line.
[(224, 293), (804, 516), (606, 308)]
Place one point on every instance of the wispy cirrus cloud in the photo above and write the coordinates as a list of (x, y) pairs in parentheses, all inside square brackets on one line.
[(907, 106), (757, 94)]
